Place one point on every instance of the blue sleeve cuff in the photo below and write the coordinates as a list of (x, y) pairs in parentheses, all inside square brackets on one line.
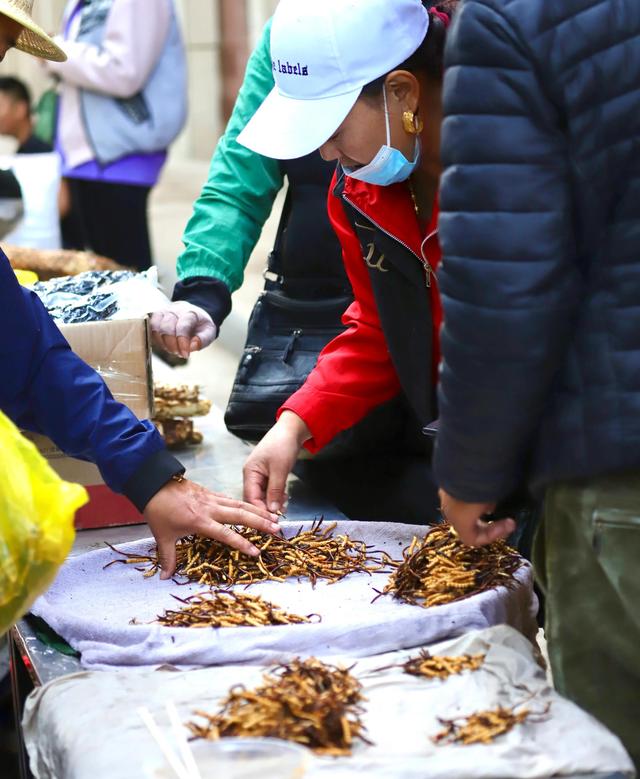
[(154, 472)]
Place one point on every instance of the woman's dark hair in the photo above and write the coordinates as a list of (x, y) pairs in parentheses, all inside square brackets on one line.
[(428, 57)]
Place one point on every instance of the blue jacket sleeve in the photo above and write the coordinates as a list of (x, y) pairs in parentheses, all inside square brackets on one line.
[(48, 389), (509, 278)]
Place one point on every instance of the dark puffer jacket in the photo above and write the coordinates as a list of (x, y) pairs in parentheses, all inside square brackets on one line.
[(540, 231)]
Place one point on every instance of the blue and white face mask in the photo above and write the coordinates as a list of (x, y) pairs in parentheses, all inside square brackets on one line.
[(389, 166)]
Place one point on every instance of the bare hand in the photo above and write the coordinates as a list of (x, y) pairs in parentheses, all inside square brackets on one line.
[(265, 472), (465, 518), (183, 508), (182, 328)]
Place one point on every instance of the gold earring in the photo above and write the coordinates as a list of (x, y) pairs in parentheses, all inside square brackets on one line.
[(412, 123)]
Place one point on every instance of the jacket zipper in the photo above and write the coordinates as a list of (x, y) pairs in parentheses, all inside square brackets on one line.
[(428, 270)]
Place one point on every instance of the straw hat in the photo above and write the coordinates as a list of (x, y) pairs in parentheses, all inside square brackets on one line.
[(32, 39)]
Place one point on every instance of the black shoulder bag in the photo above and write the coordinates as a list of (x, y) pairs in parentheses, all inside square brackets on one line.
[(284, 338)]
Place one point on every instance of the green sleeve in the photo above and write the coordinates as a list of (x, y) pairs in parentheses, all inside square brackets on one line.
[(238, 196)]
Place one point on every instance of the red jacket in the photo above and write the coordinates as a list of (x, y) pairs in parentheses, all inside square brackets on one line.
[(355, 372)]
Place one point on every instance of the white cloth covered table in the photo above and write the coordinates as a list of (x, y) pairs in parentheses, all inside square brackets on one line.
[(91, 608), (86, 725)]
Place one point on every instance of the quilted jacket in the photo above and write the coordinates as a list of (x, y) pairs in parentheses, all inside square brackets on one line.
[(540, 231)]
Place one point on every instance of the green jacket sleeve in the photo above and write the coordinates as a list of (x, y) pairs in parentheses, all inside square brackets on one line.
[(238, 196)]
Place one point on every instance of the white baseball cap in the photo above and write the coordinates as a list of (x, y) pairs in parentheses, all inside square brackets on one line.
[(323, 53)]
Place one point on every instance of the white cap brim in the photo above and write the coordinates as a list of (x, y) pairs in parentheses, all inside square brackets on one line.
[(285, 129)]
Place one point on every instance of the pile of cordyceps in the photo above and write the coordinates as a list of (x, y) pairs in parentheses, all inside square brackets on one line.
[(441, 666), (483, 727), (311, 554), (306, 701), (227, 610), (440, 569)]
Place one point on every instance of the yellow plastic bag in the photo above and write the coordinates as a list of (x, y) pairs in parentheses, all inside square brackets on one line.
[(36, 522), (26, 277)]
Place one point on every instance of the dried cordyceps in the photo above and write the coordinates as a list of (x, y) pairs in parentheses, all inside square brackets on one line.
[(483, 727), (437, 666), (306, 701), (441, 666), (441, 569), (310, 554), (227, 610), (181, 401)]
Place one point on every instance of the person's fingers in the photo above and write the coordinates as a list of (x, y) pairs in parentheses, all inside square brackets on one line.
[(254, 485), (163, 330), (183, 345), (206, 330), (276, 495), (182, 329), (170, 344), (243, 516), (225, 500), (496, 530), (185, 330), (225, 535), (156, 323), (466, 534), (261, 508), (164, 322), (186, 323), (156, 339), (155, 319), (483, 533), (166, 557)]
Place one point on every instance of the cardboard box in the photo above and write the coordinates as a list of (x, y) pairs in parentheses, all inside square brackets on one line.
[(120, 351)]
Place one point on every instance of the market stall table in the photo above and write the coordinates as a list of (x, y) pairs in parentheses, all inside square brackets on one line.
[(401, 715), (216, 464)]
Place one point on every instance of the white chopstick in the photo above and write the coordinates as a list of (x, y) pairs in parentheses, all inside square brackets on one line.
[(186, 754), (161, 741)]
